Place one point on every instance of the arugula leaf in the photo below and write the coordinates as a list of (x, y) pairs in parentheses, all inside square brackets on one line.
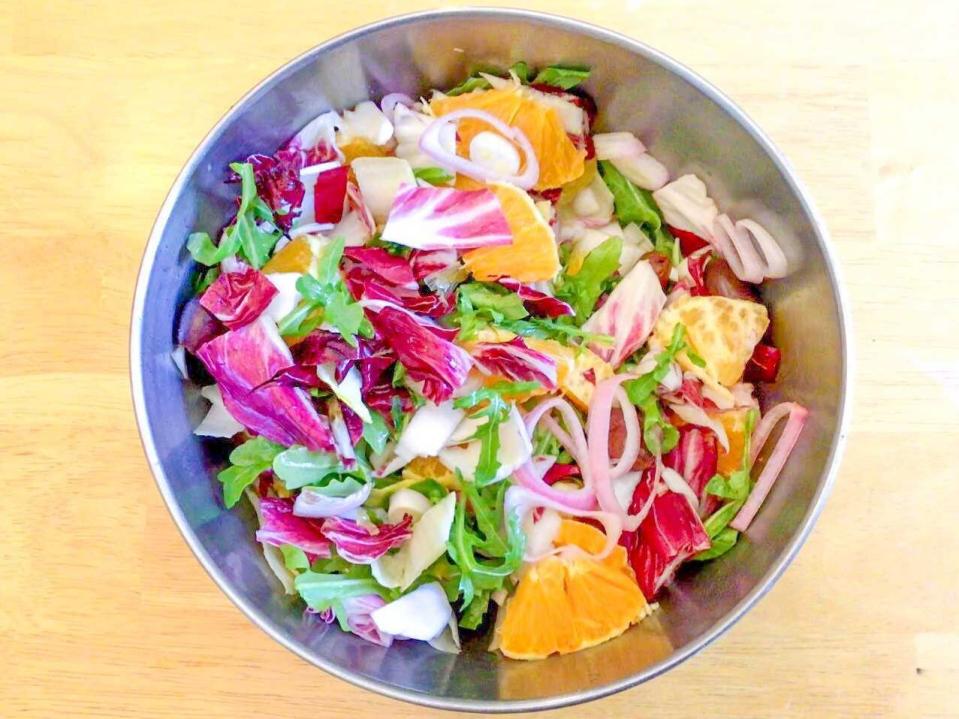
[(204, 279), (521, 70), (323, 591), (433, 175), (639, 389), (476, 610), (473, 82), (431, 489), (565, 78), (326, 299), (583, 289), (294, 558), (248, 461), (477, 82), (721, 543), (633, 204), (495, 299), (244, 235), (659, 434), (737, 488), (376, 433), (481, 533), (489, 402), (299, 467)]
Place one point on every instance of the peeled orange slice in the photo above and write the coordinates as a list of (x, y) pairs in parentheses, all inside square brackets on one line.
[(358, 147), (734, 422), (564, 605), (532, 255), (559, 159), (295, 257), (578, 370)]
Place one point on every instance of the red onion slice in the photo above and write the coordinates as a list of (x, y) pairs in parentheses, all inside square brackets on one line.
[(522, 500), (777, 459), (431, 145), (389, 103), (776, 264)]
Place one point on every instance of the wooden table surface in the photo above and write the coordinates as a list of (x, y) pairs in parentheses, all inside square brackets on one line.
[(103, 610)]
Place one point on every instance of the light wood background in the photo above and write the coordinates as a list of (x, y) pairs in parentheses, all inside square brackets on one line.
[(104, 612)]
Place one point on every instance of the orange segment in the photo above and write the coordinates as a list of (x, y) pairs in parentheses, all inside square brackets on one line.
[(564, 605), (571, 189), (734, 422), (572, 366), (295, 257), (531, 257), (359, 147), (559, 159)]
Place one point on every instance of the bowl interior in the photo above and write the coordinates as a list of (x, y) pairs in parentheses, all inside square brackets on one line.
[(688, 127)]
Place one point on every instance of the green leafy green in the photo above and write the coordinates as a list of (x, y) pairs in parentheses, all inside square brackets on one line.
[(488, 403), (583, 289), (565, 78), (721, 543), (642, 387), (492, 298), (433, 175), (474, 82), (326, 299), (247, 462), (294, 558), (244, 235), (521, 70), (477, 82), (735, 488), (299, 467), (485, 556), (659, 434), (322, 591), (636, 205), (431, 489), (376, 433), (204, 279), (476, 610)]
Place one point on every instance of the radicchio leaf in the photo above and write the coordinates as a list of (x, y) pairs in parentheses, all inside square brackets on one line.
[(329, 194), (197, 326), (357, 544), (278, 183), (238, 298), (364, 285), (426, 263), (242, 361), (670, 534), (425, 350), (695, 457), (392, 269), (516, 361), (538, 303), (430, 218), (279, 526), (629, 314)]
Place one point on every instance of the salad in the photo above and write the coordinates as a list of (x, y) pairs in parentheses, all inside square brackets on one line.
[(483, 367)]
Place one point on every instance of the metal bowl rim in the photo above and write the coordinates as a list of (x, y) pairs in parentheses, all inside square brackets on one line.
[(479, 705)]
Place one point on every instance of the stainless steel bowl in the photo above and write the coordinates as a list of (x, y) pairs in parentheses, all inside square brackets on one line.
[(687, 124)]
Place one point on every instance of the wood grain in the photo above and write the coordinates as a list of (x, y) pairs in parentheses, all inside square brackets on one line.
[(104, 612)]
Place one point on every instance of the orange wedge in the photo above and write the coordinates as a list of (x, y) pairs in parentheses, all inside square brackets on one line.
[(573, 365), (358, 147), (531, 257), (734, 422), (564, 605), (559, 159), (295, 257)]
